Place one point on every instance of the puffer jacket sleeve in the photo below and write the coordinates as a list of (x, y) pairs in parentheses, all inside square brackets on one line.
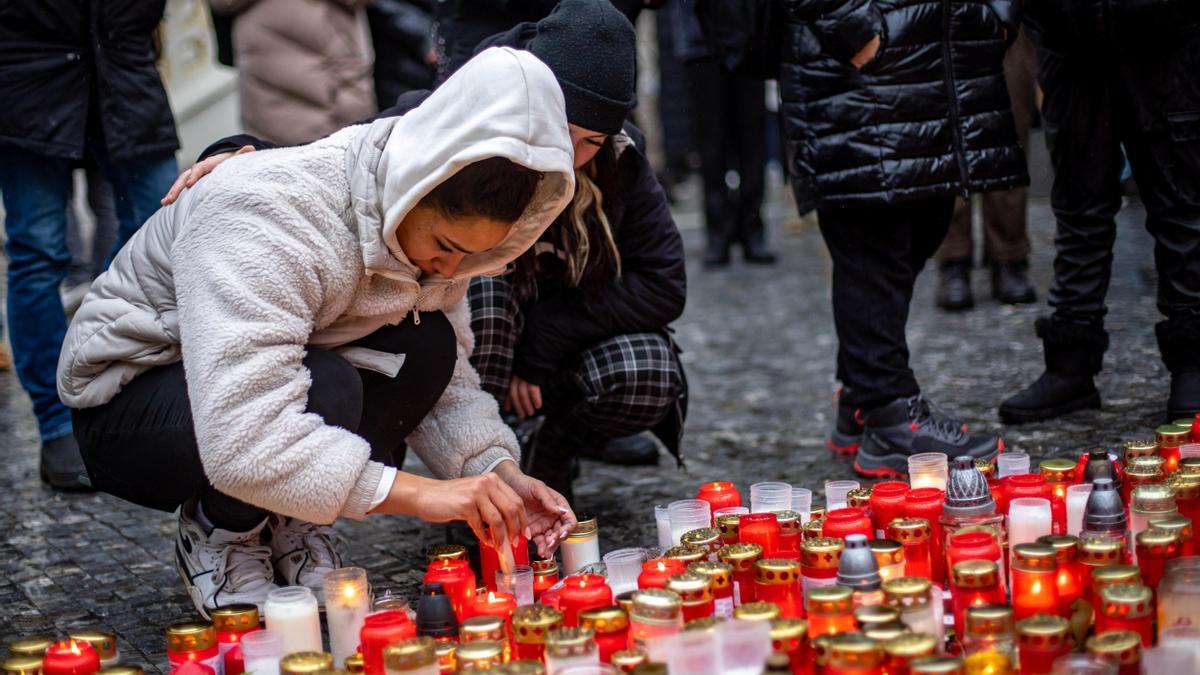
[(649, 295), (463, 435), (244, 326), (843, 26)]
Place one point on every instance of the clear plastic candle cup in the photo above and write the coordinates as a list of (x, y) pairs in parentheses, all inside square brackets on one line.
[(518, 583), (1077, 497), (836, 491), (292, 612), (624, 565), (745, 645), (686, 515), (1028, 519), (802, 503), (261, 651), (770, 496), (1011, 464), (928, 469), (662, 520)]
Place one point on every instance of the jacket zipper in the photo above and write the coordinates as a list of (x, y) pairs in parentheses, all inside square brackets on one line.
[(952, 95)]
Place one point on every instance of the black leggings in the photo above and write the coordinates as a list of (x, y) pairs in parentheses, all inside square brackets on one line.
[(141, 445)]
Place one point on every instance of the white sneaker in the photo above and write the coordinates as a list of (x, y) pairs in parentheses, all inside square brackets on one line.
[(303, 552), (222, 568)]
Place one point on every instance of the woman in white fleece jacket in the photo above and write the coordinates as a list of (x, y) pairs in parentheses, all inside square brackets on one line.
[(314, 296)]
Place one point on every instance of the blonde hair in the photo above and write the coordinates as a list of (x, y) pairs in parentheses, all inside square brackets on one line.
[(578, 237)]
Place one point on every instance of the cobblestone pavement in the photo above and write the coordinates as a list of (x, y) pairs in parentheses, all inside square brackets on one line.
[(759, 353)]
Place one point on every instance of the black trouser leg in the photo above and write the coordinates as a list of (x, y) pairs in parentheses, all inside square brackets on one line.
[(710, 97), (877, 252), (141, 446), (749, 130)]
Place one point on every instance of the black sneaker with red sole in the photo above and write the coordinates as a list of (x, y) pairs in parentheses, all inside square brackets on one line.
[(847, 429), (910, 426)]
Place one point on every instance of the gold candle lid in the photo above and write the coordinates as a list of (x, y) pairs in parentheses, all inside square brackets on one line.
[(1139, 448), (31, 646), (786, 630), (740, 556), (989, 621), (859, 498), (649, 668), (873, 615), (1126, 601), (445, 651), (485, 652), (300, 663), (816, 513), (757, 611), (627, 659), (777, 571), (410, 654), (907, 592), (1151, 461), (532, 622), (479, 628), (22, 664), (1122, 646), (355, 663), (445, 552), (1058, 470), (887, 552), (1114, 575), (911, 646), (693, 588), (1156, 539), (604, 620), (1172, 435), (586, 526), (882, 632), (822, 553), (122, 670), (705, 537), (828, 600), (625, 600), (1042, 631), (909, 530), (1100, 551), (544, 568), (854, 650), (1034, 557), (936, 665), (569, 642), (719, 574), (1066, 546), (705, 624), (789, 521), (656, 604), (812, 529), (1180, 525), (522, 667), (688, 554), (1152, 499), (1188, 466), (975, 574), (191, 636), (986, 467), (1185, 487), (727, 525), (105, 644), (235, 618)]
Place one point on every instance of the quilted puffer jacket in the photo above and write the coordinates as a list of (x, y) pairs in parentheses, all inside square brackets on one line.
[(928, 115)]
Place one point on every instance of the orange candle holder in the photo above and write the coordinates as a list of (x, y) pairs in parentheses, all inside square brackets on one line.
[(1170, 437), (915, 534), (1070, 581), (1182, 527), (975, 583), (1113, 575)]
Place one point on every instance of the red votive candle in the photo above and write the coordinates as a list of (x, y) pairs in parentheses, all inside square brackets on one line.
[(830, 611), (458, 581), (1127, 607), (380, 630), (927, 503), (998, 496), (741, 557), (819, 559), (761, 529), (545, 575), (489, 560), (841, 523), (1035, 580), (719, 495), (887, 504), (1041, 639), (1060, 474), (1154, 548), (611, 628), (778, 580), (789, 534), (231, 623), (1186, 489), (581, 592), (695, 595), (77, 657), (531, 624), (656, 572), (975, 545), (975, 582), (1070, 574), (1024, 485), (495, 603), (790, 636), (187, 643), (915, 535)]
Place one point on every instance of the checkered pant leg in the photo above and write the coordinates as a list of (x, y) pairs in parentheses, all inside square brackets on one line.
[(497, 323), (629, 383)]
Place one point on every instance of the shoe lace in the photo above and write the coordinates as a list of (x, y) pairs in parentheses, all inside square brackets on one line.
[(322, 542), (244, 564), (942, 426)]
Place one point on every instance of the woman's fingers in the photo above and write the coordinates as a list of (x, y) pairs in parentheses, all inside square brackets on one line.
[(510, 505), (535, 397), (176, 188)]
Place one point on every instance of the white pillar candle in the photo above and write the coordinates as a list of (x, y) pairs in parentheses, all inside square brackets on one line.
[(347, 602), (1028, 519), (928, 469), (292, 612), (1077, 497), (663, 519), (262, 650), (624, 565), (581, 547)]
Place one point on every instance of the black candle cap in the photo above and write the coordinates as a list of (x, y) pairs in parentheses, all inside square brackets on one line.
[(856, 566), (1098, 466), (1104, 511), (435, 613)]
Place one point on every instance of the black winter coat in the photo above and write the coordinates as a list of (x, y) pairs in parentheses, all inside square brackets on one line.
[(70, 69), (929, 115)]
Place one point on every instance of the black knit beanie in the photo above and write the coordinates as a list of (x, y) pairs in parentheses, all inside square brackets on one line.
[(590, 47)]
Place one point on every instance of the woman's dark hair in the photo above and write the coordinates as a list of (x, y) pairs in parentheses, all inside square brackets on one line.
[(493, 188)]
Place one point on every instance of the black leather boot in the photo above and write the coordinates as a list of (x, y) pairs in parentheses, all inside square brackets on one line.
[(1010, 283), (754, 243), (1074, 354), (954, 286), (1179, 344)]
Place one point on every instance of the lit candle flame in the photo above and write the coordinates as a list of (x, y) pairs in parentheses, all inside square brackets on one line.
[(1037, 587), (661, 567), (491, 597), (75, 648), (348, 592)]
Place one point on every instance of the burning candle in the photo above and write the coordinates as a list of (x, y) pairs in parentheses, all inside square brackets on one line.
[(719, 495), (347, 601), (989, 629), (194, 643), (380, 630), (582, 545), (819, 560), (841, 523), (778, 581), (1112, 575), (77, 657), (1170, 437), (887, 504), (830, 610), (889, 557), (975, 583), (695, 595), (761, 529), (914, 534), (545, 575), (927, 503), (1034, 580), (1041, 639), (414, 656), (656, 572), (587, 591), (1059, 474), (458, 581), (1069, 575), (489, 559), (531, 624), (495, 603), (720, 578), (928, 470), (656, 613), (1127, 607), (1122, 648), (1154, 548), (610, 626)]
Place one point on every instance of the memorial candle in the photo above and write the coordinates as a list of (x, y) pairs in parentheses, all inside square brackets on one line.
[(489, 559), (1170, 437), (292, 612), (458, 581), (494, 603), (778, 580), (761, 529), (695, 594), (76, 657), (790, 636), (889, 557), (915, 535), (1059, 474), (1154, 548), (926, 503), (580, 592), (1186, 488), (380, 630), (741, 558), (720, 495), (841, 523), (1070, 574), (1182, 527), (1041, 639), (975, 583), (720, 577), (830, 611), (656, 572), (191, 642), (582, 546), (656, 613), (231, 623), (707, 539), (487, 629), (531, 624), (545, 575), (347, 601), (887, 504), (789, 534), (1127, 607), (611, 628), (1034, 580), (413, 656), (819, 560)]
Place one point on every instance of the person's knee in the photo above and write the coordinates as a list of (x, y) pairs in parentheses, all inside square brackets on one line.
[(643, 374), (336, 391)]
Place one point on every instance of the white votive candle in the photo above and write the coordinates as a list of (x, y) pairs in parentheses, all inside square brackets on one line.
[(292, 612), (347, 602), (262, 650), (1077, 497), (663, 520), (581, 547), (1028, 519)]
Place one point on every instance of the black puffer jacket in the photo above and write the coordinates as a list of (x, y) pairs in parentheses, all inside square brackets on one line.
[(1082, 26), (65, 61), (929, 115)]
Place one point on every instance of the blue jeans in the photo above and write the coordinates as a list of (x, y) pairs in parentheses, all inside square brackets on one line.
[(35, 189)]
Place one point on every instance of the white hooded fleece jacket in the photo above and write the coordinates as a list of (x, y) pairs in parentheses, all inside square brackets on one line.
[(281, 249)]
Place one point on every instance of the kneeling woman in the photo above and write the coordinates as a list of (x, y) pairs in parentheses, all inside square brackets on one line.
[(315, 299)]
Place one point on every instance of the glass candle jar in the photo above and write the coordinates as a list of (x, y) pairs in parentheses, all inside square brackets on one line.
[(741, 557), (447, 656), (1154, 548), (952, 526), (1028, 519), (568, 648), (819, 560), (719, 495), (518, 583), (458, 581), (610, 628), (720, 581), (191, 642), (530, 625), (584, 591), (623, 566), (889, 557), (790, 636), (830, 610), (707, 539), (1145, 471), (1041, 639), (582, 546), (1012, 463), (976, 543), (904, 649), (695, 594), (789, 534), (843, 522), (656, 572), (1186, 488), (727, 525), (989, 628), (887, 504), (1096, 553), (914, 534), (347, 602), (545, 576), (927, 503), (656, 613), (1150, 502), (913, 596), (777, 580), (1122, 647), (975, 583), (1070, 582), (485, 629), (415, 656), (662, 522), (292, 612), (761, 529), (1034, 580), (1139, 448), (1127, 607)]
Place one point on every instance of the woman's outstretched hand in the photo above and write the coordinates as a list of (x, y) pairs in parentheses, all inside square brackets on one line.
[(548, 516), (199, 170), (486, 502)]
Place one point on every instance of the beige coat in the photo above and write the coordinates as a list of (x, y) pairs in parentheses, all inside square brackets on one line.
[(304, 66)]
